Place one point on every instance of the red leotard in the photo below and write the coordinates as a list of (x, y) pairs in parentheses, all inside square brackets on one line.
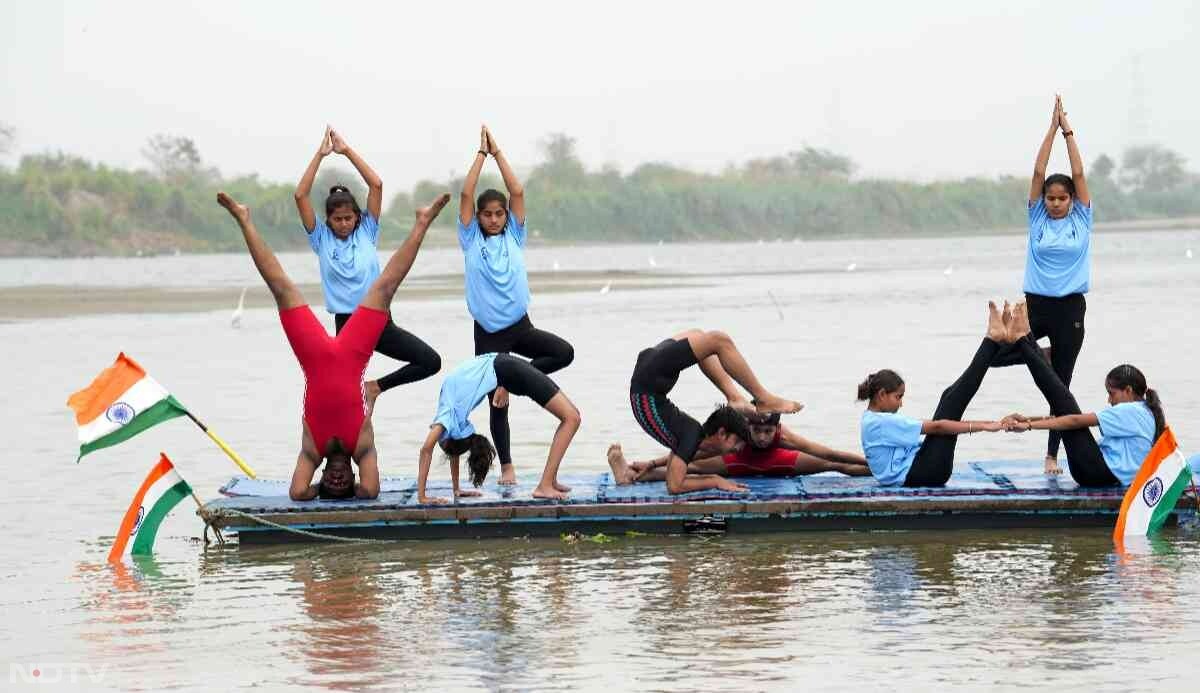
[(771, 461), (334, 401)]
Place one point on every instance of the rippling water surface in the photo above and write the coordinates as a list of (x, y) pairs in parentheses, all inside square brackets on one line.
[(976, 609)]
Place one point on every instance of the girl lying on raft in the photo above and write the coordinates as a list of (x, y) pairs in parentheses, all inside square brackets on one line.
[(463, 390), (1128, 427), (892, 442), (772, 449)]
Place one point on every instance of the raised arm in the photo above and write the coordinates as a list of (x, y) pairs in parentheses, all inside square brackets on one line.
[(304, 187), (372, 179), (516, 191), (435, 433), (466, 199), (1081, 188), (1043, 155)]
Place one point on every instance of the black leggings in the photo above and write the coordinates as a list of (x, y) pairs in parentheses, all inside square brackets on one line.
[(401, 345), (935, 460), (546, 351), (520, 378), (1084, 458), (1060, 319)]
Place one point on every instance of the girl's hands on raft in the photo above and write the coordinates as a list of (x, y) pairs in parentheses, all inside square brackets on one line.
[(466, 493), (432, 500)]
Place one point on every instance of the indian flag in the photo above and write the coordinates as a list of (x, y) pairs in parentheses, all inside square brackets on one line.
[(159, 494), (1152, 494), (120, 403)]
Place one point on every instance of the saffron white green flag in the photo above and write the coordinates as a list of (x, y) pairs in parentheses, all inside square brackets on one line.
[(1154, 491), (120, 403), (162, 490)]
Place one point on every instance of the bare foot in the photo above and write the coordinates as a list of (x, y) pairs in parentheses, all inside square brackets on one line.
[(742, 405), (371, 391), (239, 211), (769, 404), (508, 475), (562, 487), (549, 493), (1019, 327), (997, 331), (1052, 466), (622, 472), (426, 215)]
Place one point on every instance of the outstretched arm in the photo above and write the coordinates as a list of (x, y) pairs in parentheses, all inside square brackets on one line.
[(372, 179), (1069, 422), (793, 441), (516, 191), (1043, 155), (466, 199), (1081, 188), (304, 188), (435, 433), (950, 427)]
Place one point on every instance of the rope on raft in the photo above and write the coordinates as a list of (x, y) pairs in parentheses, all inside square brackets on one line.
[(207, 517)]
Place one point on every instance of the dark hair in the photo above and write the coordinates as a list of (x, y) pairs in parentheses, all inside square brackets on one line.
[(334, 450), (885, 380), (1059, 179), (763, 419), (491, 195), (480, 455), (340, 195), (728, 418), (1127, 376)]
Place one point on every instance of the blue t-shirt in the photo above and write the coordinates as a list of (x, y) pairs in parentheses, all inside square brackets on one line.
[(890, 442), (348, 267), (1059, 259), (462, 390), (497, 284), (1126, 436)]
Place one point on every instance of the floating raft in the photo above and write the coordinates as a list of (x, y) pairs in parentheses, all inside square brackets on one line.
[(980, 495)]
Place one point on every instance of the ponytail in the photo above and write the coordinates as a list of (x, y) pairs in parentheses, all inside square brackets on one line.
[(1127, 376), (880, 381)]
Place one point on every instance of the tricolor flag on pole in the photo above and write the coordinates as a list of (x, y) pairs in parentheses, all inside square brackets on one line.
[(162, 490), (120, 403), (1154, 491)]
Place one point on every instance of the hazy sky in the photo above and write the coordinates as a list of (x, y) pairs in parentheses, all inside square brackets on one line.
[(917, 89)]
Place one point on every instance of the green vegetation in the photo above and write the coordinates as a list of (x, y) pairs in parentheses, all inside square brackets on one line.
[(64, 205)]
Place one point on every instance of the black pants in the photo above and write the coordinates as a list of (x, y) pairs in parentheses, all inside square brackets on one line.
[(1084, 458), (520, 378), (935, 460), (1060, 319), (547, 352), (401, 345)]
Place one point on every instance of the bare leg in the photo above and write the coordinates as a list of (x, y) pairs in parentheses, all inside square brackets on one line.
[(569, 420), (811, 464), (379, 296), (719, 344), (711, 367), (285, 292), (623, 474)]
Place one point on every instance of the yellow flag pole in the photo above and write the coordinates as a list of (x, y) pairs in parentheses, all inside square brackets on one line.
[(237, 459)]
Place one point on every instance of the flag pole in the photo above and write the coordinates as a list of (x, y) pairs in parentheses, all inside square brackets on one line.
[(237, 459)]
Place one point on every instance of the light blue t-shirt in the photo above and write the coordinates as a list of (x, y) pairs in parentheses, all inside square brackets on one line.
[(1059, 259), (348, 267), (890, 442), (462, 390), (497, 284), (1127, 434)]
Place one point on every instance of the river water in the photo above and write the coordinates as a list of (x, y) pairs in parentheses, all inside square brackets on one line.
[(974, 609)]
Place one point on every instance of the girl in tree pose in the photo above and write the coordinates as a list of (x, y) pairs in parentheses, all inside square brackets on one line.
[(491, 231), (1058, 262), (346, 243)]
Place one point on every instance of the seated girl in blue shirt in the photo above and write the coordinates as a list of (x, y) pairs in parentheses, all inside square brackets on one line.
[(491, 231), (892, 442), (1128, 428), (1058, 260), (346, 243)]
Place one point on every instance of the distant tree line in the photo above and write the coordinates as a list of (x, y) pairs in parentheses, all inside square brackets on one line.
[(59, 204)]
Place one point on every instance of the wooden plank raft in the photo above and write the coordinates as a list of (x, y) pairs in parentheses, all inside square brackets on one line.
[(989, 494)]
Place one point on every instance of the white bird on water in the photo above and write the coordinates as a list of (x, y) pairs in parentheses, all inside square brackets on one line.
[(653, 263), (556, 267), (604, 289), (948, 271), (236, 320), (1188, 254), (850, 267)]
